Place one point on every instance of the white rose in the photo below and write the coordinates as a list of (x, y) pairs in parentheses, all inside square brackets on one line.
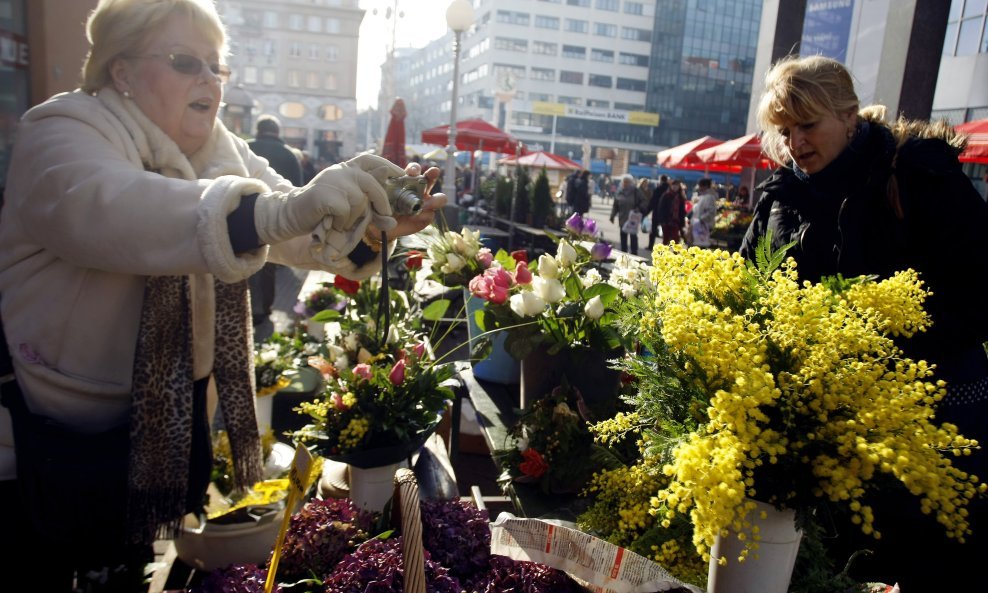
[(454, 263), (392, 335), (566, 255), (592, 277), (352, 341), (594, 308), (526, 303), (464, 246), (267, 356), (548, 267), (550, 289)]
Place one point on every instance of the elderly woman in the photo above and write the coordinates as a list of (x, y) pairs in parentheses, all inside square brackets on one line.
[(131, 221), (859, 196), (629, 198)]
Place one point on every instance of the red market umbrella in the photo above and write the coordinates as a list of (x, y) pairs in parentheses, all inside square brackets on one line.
[(977, 141), (473, 134), (394, 138), (684, 155), (745, 151), (541, 159)]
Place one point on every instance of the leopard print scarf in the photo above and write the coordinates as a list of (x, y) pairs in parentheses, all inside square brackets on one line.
[(161, 415)]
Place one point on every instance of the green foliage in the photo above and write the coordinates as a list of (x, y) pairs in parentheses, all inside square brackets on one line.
[(541, 200), (521, 201), (502, 196)]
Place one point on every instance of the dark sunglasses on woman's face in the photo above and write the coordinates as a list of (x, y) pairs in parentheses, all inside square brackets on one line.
[(191, 65)]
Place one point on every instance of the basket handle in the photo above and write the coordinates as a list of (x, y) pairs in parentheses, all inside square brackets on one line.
[(408, 514)]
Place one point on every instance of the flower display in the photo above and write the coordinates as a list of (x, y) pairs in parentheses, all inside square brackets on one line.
[(320, 534), (381, 387), (378, 563), (559, 301), (237, 578), (580, 228), (456, 257), (757, 386), (551, 444), (457, 535), (326, 297)]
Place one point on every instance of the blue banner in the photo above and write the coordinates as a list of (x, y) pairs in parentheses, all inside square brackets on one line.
[(826, 28)]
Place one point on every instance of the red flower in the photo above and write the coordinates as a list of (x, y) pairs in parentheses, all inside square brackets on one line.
[(346, 285), (522, 274), (520, 255), (413, 261), (534, 465)]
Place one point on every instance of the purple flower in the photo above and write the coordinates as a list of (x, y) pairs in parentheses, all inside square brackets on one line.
[(600, 251), (589, 227), (575, 223)]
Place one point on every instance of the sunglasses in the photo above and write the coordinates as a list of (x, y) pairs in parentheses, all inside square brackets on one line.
[(191, 65)]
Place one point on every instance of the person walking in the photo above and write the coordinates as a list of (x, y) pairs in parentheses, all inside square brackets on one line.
[(628, 205), (131, 221), (859, 196), (704, 213), (579, 192), (269, 145), (653, 211), (671, 213)]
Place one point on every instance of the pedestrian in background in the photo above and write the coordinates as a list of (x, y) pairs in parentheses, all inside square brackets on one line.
[(671, 213), (629, 202), (653, 210), (704, 213)]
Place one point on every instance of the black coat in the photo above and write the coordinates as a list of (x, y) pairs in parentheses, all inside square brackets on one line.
[(841, 220), (279, 157)]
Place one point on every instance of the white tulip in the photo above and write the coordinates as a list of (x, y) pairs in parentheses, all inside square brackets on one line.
[(268, 355), (548, 267), (550, 289), (526, 303), (594, 308), (352, 341), (454, 263), (565, 254)]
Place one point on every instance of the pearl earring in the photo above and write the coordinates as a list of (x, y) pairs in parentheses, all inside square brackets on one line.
[(126, 94)]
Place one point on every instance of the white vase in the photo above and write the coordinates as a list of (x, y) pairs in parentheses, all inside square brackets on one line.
[(772, 570), (371, 488)]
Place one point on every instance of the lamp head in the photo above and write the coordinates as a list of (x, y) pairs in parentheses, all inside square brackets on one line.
[(459, 15)]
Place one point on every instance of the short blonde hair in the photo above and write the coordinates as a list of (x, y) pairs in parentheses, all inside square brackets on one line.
[(119, 27), (798, 90)]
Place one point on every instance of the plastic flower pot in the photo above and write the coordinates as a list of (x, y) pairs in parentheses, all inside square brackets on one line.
[(210, 545)]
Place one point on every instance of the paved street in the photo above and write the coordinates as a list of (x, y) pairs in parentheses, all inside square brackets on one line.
[(600, 210)]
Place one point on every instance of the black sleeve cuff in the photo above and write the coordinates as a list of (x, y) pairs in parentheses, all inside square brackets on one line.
[(240, 223), (362, 254)]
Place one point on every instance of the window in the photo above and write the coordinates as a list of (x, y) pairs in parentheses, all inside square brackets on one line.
[(314, 24), (574, 51), (546, 22), (544, 49), (602, 55), (513, 18), (584, 3), (634, 34), (511, 44), (540, 97), (313, 51), (269, 47), (292, 110), (295, 50), (332, 53), (312, 80), (330, 112), (633, 59), (570, 100), (577, 26), (270, 19), (330, 83), (268, 76), (295, 22), (634, 8), (611, 5), (250, 75), (333, 26), (294, 79), (570, 77), (600, 80), (630, 84), (546, 74), (598, 103), (628, 106), (605, 29)]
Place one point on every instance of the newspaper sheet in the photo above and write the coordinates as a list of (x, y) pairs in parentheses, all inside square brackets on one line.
[(604, 567)]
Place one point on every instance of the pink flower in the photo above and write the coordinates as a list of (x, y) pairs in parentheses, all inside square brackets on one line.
[(419, 350), (338, 402), (485, 257), (492, 285), (520, 255), (522, 274), (397, 375), (363, 371)]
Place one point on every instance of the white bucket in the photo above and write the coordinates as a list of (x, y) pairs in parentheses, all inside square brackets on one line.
[(209, 546), (371, 488), (772, 570)]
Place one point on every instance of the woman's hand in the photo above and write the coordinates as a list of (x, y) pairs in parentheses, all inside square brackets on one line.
[(411, 224)]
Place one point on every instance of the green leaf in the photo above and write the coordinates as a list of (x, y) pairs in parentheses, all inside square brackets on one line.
[(504, 258), (606, 292), (326, 315), (436, 310)]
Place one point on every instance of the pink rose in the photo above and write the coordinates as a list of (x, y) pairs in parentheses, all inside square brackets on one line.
[(419, 350), (485, 257), (492, 285), (397, 374), (522, 274)]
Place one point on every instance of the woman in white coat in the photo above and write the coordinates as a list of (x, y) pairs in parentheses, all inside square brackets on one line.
[(132, 219)]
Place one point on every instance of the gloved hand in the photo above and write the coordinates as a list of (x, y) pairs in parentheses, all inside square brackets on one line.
[(343, 198)]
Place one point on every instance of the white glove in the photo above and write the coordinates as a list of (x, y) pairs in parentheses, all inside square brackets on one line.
[(344, 199)]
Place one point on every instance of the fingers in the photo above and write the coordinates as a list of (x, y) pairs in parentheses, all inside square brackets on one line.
[(384, 223), (379, 167), (375, 192), (413, 169)]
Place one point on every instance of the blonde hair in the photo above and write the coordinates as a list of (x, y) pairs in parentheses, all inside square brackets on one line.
[(116, 28), (803, 89)]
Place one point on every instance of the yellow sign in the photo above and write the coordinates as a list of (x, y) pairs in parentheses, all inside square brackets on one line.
[(298, 480), (637, 118), (546, 108), (643, 118)]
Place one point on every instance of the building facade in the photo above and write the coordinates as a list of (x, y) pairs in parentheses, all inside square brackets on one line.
[(297, 60)]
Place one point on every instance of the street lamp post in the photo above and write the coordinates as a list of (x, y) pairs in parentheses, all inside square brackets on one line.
[(459, 17)]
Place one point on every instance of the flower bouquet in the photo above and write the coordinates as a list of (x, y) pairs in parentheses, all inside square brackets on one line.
[(759, 388)]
